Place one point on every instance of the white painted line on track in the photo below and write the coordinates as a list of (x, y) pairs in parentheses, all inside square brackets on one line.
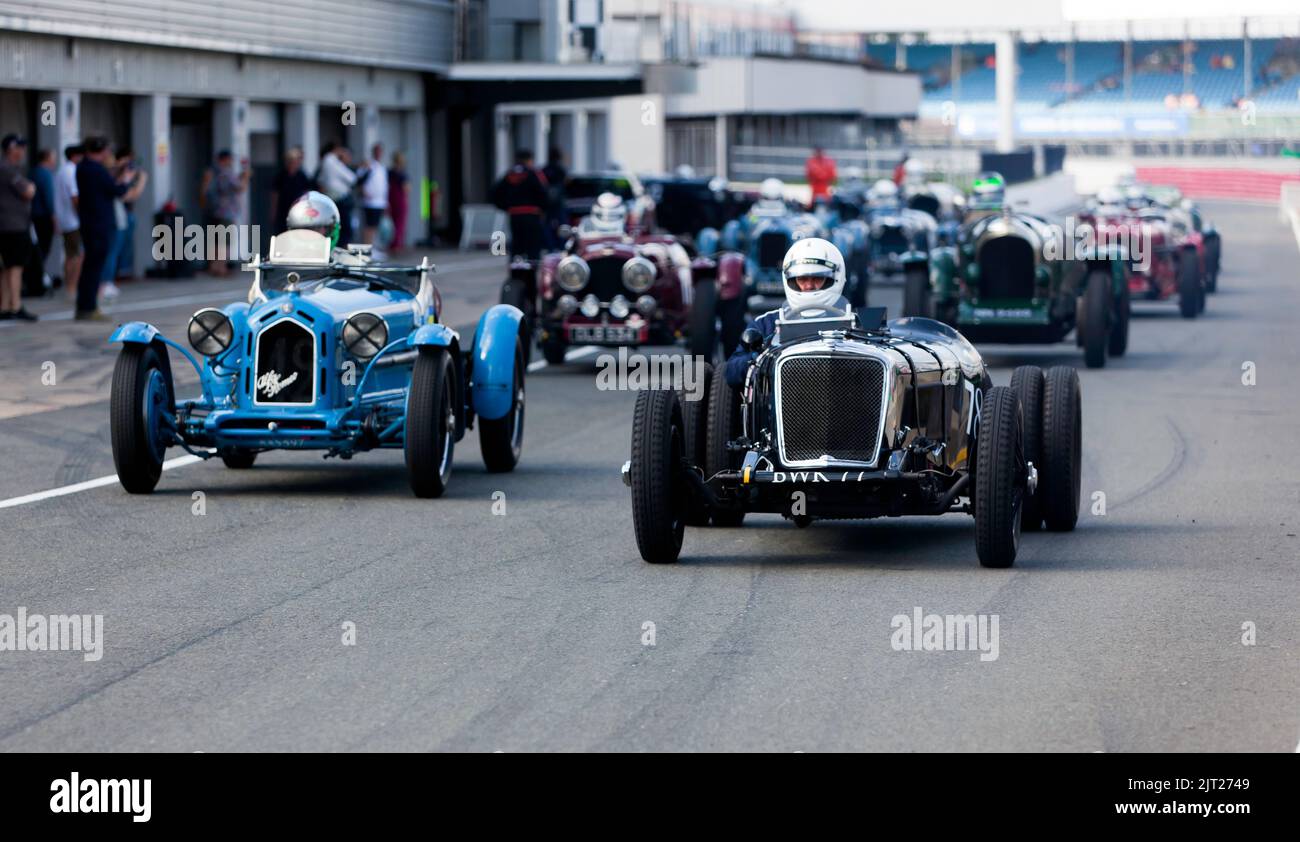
[(65, 490), (569, 356), (139, 306)]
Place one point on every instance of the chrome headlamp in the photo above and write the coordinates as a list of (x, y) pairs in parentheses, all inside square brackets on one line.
[(638, 274), (210, 332), (365, 335), (572, 273)]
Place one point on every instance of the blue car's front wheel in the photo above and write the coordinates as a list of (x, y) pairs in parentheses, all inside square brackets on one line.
[(138, 409), (431, 423), (502, 439)]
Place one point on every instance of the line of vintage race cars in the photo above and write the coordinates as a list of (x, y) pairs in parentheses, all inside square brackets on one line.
[(842, 414)]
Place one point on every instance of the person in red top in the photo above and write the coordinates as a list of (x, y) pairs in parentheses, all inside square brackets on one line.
[(522, 193), (820, 169)]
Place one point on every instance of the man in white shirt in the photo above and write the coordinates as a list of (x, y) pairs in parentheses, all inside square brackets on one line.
[(65, 215), (374, 194), (336, 179)]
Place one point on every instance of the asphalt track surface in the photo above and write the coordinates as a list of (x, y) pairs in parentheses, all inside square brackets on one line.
[(524, 630)]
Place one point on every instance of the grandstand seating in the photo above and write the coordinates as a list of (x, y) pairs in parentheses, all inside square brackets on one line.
[(1215, 79)]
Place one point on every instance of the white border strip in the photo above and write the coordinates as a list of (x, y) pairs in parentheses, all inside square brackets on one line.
[(179, 461)]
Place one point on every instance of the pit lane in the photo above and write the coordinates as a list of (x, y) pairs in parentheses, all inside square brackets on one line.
[(524, 630)]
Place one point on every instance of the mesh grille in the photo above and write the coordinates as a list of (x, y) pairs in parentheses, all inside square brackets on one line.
[(830, 406), (772, 246)]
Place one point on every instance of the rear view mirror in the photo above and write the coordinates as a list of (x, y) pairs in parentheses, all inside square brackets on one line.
[(752, 340)]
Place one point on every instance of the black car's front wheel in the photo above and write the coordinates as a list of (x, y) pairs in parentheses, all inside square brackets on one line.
[(1191, 295), (1060, 475), (502, 439), (999, 479), (138, 408), (431, 423), (703, 340), (659, 492), (724, 425)]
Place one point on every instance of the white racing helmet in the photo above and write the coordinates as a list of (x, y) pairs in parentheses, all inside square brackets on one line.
[(609, 214), (883, 190), (815, 258), (772, 189), (852, 173), (315, 212)]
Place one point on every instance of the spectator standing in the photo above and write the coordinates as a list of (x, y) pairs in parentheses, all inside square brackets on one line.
[(42, 175), (521, 193), (399, 198), (820, 170), (290, 183), (67, 217), (16, 194), (107, 288), (97, 191), (556, 175), (127, 168), (220, 193), (336, 180), (374, 194)]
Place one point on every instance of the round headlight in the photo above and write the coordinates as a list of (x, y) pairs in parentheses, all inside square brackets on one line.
[(365, 335), (646, 305), (638, 274), (572, 273), (591, 306), (210, 332), (619, 307), (567, 304)]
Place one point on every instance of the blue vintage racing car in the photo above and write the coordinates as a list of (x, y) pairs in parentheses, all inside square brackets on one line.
[(332, 353)]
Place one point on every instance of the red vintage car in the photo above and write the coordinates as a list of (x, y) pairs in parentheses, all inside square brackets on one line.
[(630, 290), (1166, 254)]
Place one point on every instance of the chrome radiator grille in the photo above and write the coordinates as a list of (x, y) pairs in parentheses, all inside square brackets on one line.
[(829, 408)]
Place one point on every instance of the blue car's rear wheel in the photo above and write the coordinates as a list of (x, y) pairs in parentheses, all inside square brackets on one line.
[(502, 439), (430, 423), (138, 407)]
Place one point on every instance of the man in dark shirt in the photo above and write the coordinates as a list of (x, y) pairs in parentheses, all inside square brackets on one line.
[(556, 175), (290, 183), (521, 193), (97, 189), (16, 194)]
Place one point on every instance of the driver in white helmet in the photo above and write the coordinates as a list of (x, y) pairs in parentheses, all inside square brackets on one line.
[(813, 270), (771, 199), (317, 212), (608, 217), (884, 193)]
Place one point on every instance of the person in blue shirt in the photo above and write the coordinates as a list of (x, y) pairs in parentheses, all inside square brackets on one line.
[(42, 175)]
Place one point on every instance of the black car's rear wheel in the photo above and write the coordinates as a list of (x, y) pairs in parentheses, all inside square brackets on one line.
[(703, 339), (1191, 294), (724, 425), (140, 400), (659, 491), (1119, 329), (695, 427), (1000, 479), (1027, 383), (430, 423), (1096, 318), (502, 440), (1060, 476)]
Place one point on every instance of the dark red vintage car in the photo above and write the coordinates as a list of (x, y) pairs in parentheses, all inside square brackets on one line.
[(630, 290), (1166, 254)]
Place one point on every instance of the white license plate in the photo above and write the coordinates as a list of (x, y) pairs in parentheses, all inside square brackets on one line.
[(603, 333)]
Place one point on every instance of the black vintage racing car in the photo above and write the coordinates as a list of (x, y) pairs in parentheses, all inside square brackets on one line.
[(867, 419)]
